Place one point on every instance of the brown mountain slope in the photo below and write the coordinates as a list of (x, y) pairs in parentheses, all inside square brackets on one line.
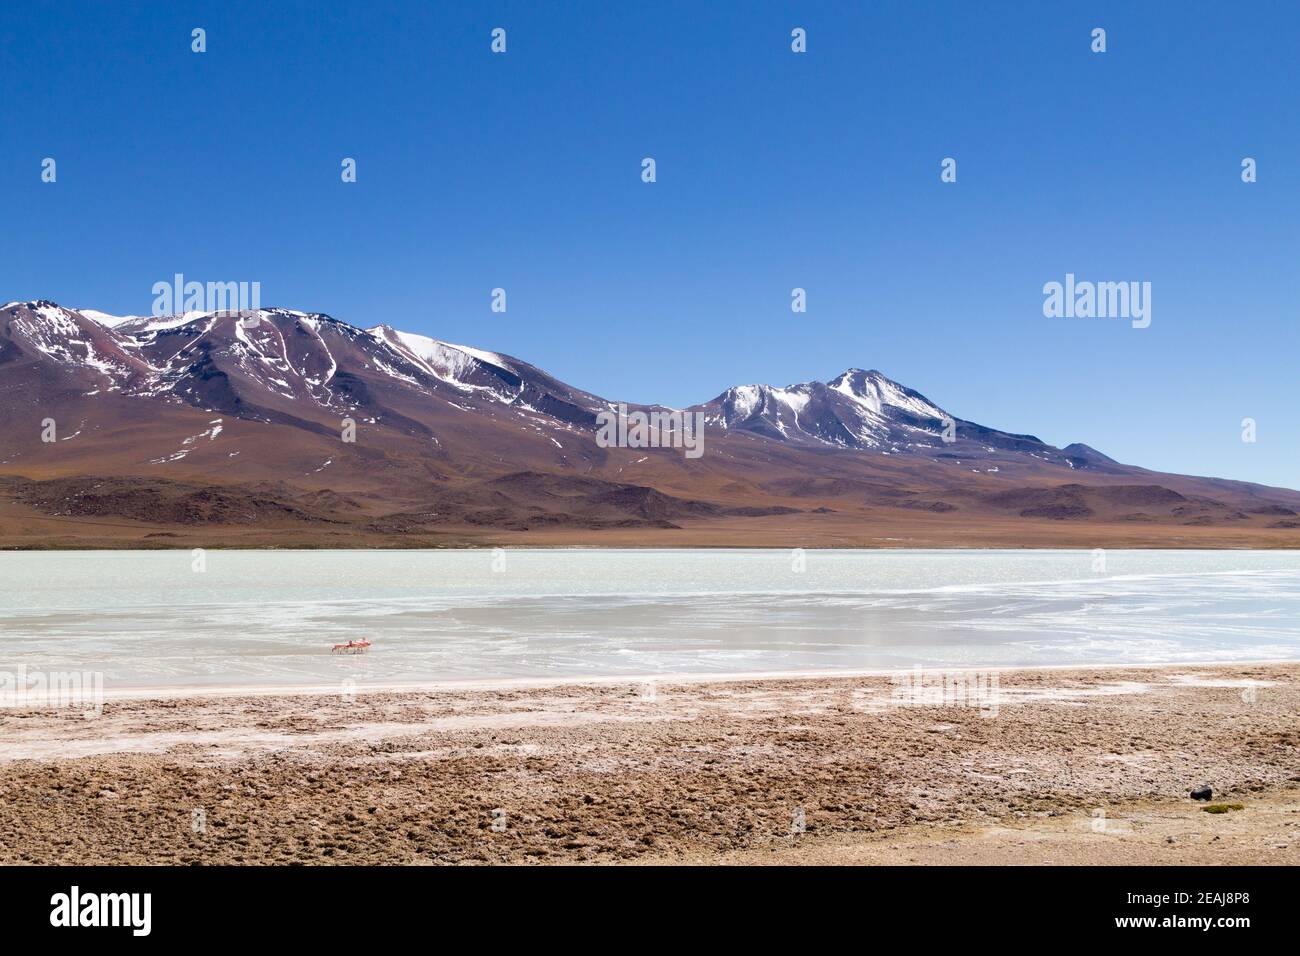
[(284, 428)]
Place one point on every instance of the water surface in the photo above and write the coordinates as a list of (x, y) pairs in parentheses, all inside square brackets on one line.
[(148, 619)]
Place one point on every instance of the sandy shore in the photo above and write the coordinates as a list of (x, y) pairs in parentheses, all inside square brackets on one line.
[(1047, 766)]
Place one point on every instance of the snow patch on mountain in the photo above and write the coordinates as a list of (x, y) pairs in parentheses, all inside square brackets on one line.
[(106, 320), (445, 355), (874, 392), (457, 365)]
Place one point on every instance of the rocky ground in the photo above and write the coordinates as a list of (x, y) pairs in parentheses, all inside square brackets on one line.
[(1057, 766)]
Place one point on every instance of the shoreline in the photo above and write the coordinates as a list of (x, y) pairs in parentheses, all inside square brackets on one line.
[(785, 770), (625, 546), (195, 692)]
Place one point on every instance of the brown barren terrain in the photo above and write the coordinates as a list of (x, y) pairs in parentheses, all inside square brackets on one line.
[(1073, 766), (131, 513)]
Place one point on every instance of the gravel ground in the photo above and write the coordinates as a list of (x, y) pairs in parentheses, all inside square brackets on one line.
[(1089, 766)]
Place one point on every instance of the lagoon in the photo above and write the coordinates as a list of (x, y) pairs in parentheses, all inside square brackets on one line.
[(149, 619)]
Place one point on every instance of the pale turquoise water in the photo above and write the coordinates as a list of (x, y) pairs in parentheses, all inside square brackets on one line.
[(147, 618)]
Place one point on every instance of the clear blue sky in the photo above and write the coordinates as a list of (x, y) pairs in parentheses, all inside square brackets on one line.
[(775, 170)]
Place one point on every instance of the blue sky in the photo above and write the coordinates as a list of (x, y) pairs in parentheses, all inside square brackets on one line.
[(775, 170)]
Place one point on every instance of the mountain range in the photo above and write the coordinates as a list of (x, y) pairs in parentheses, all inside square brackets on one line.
[(288, 428)]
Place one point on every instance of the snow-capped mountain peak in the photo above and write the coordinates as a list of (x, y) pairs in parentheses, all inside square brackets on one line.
[(872, 391), (856, 409), (44, 330)]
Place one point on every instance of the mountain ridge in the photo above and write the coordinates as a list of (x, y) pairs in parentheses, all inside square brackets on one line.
[(267, 397)]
